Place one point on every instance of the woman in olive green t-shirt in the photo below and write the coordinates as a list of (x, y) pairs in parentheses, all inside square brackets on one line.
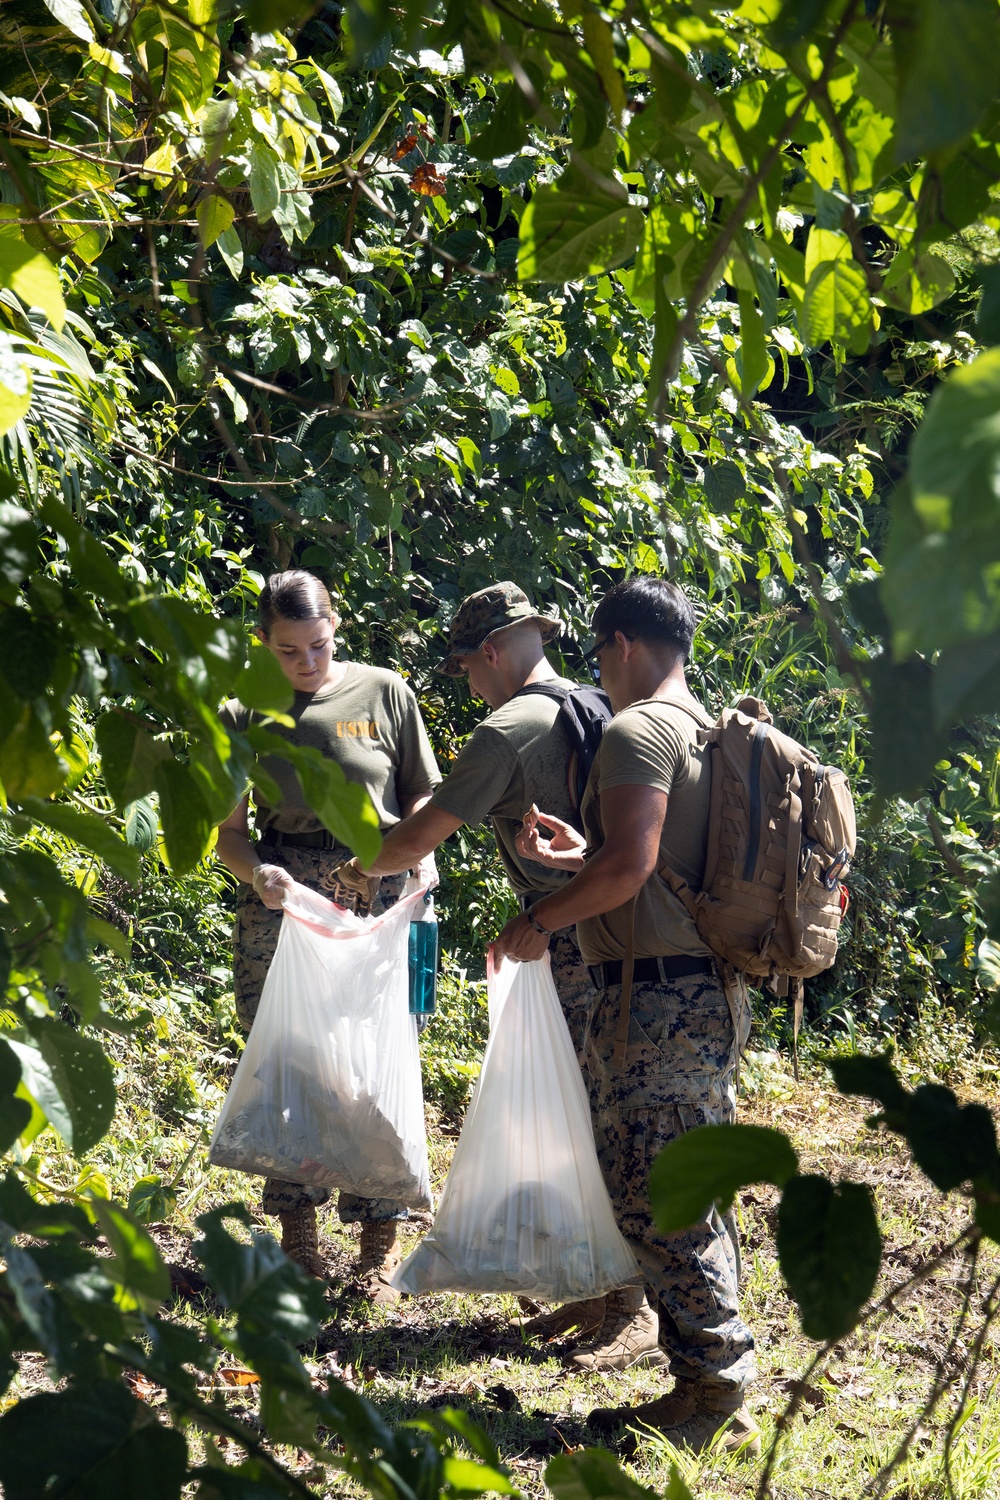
[(368, 721)]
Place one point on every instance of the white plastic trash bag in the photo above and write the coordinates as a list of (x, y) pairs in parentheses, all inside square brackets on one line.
[(524, 1208), (328, 1089)]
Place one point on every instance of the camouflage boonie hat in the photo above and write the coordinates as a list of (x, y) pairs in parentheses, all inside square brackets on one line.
[(484, 613)]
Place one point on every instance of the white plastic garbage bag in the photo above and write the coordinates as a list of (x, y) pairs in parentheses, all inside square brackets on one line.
[(524, 1208), (328, 1089)]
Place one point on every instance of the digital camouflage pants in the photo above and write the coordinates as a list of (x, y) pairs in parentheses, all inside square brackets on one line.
[(574, 985), (678, 1073), (255, 938)]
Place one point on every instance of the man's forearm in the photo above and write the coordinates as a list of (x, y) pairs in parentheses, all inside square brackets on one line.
[(607, 880), (413, 839)]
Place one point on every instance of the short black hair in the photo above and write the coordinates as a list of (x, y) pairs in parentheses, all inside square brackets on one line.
[(648, 609)]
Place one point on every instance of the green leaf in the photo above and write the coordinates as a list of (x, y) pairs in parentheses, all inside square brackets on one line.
[(752, 362), (988, 312), (836, 304), (215, 216), (906, 741), (71, 1078), (579, 226), (709, 1165), (18, 543), (951, 1142), (71, 14), (830, 1251), (14, 1113), (257, 1280), (32, 276), (94, 1441), (231, 250), (871, 1078), (592, 1474), (264, 183), (135, 1263), (262, 685), (141, 825), (185, 816), (130, 758), (948, 60), (464, 1476), (506, 130), (90, 831), (29, 766), (151, 1200)]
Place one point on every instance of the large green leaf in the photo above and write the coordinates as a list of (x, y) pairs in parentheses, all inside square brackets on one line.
[(942, 581), (262, 685), (29, 766), (18, 543), (837, 304), (71, 1078), (343, 806), (14, 1113), (129, 757), (185, 816), (579, 226), (948, 59), (91, 1442), (830, 1251), (709, 1165), (135, 1263), (31, 275), (257, 1280)]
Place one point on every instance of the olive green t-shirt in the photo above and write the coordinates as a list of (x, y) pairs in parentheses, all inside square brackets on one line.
[(652, 743), (370, 725), (516, 757)]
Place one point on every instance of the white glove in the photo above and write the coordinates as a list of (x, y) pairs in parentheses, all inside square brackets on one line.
[(271, 883)]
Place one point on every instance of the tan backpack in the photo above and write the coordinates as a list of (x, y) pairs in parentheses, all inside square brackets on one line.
[(781, 834)]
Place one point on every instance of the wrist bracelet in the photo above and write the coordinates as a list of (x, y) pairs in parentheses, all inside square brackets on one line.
[(536, 924)]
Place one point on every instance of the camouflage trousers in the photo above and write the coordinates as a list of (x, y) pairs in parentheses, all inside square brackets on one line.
[(255, 938), (574, 985), (678, 1073)]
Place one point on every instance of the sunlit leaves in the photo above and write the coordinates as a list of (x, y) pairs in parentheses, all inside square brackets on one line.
[(837, 304), (580, 225)]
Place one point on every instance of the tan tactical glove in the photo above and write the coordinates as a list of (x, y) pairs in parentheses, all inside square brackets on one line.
[(350, 887)]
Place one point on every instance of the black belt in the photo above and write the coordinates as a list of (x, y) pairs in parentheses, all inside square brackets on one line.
[(673, 966), (320, 838)]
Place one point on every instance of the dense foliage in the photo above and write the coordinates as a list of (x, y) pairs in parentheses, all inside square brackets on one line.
[(419, 299)]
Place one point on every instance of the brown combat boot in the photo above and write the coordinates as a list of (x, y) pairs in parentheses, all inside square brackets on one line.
[(583, 1319), (690, 1417), (300, 1240), (628, 1336), (380, 1255)]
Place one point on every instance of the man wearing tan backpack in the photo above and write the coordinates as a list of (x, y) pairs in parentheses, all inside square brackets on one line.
[(662, 1050)]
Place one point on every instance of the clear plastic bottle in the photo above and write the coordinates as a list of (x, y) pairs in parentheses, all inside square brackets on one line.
[(424, 960)]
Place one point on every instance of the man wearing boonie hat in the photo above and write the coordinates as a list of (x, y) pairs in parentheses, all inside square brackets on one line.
[(516, 761)]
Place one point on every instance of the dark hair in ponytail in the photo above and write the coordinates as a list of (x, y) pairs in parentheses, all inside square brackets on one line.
[(295, 595)]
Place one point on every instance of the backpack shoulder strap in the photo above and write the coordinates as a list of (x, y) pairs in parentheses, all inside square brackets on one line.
[(546, 689)]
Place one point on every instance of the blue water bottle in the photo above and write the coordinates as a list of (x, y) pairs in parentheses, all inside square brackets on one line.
[(424, 961)]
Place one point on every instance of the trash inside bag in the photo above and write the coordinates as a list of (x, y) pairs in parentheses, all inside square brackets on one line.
[(524, 1208), (328, 1089)]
